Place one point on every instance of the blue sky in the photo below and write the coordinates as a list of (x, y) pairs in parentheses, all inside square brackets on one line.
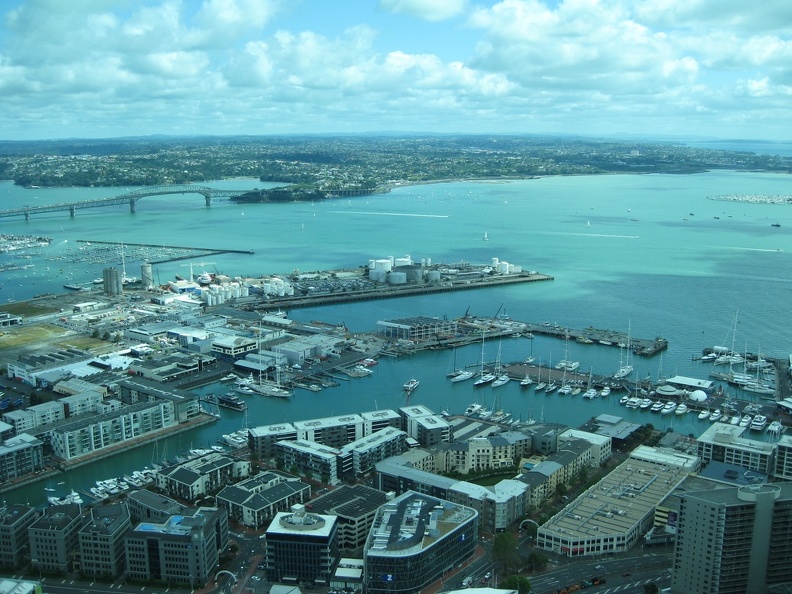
[(683, 68)]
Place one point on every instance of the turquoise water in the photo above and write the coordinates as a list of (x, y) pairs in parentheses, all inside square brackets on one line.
[(676, 271)]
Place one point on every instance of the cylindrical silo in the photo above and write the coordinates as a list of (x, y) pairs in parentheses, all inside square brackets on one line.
[(397, 278), (146, 275)]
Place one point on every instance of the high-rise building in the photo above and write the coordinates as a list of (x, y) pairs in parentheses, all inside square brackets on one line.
[(734, 540)]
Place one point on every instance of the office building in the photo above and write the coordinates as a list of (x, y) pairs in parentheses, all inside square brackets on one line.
[(184, 550), (53, 538), (734, 540), (415, 539), (101, 541), (15, 519), (302, 547)]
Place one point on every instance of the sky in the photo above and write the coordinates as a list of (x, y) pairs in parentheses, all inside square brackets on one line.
[(636, 68)]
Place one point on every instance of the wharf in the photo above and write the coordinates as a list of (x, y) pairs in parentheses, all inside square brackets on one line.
[(386, 291), (471, 329)]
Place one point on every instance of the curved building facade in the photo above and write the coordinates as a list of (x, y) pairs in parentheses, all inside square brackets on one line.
[(414, 540)]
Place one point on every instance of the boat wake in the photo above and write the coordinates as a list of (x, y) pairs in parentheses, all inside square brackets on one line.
[(394, 214), (748, 249), (603, 235)]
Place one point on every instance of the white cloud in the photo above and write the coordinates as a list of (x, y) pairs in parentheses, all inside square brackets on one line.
[(430, 10), (504, 66)]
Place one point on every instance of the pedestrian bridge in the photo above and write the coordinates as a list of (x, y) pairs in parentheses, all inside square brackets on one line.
[(130, 198)]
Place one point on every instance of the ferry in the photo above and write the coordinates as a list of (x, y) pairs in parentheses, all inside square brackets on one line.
[(410, 385), (230, 400)]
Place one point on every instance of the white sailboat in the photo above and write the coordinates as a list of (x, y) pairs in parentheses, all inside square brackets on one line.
[(625, 368), (501, 378), (485, 238), (484, 378)]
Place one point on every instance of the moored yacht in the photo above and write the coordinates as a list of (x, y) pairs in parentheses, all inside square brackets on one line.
[(669, 407), (758, 423), (681, 409)]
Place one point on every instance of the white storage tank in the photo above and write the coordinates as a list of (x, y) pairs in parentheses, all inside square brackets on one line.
[(428, 261), (377, 275), (385, 265), (502, 267), (405, 260), (433, 276), (397, 278), (495, 263), (516, 269)]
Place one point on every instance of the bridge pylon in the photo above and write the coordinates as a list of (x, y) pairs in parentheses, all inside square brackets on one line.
[(72, 210), (132, 205)]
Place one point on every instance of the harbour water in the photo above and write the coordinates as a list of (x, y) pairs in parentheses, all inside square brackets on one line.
[(646, 252)]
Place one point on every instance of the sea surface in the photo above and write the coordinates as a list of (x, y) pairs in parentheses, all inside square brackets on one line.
[(652, 254)]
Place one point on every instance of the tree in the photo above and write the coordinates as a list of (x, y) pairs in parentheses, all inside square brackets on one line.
[(505, 551), (516, 582), (537, 561), (651, 589)]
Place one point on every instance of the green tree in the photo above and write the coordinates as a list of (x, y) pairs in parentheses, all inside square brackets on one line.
[(516, 582), (505, 552), (537, 561), (651, 589)]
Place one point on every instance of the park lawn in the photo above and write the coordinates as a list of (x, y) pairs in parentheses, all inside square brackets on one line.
[(48, 336)]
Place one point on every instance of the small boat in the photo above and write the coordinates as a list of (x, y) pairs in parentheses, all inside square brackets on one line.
[(486, 237), (775, 224), (646, 403), (410, 385), (746, 420), (775, 427), (669, 407), (231, 400), (368, 362), (735, 420), (657, 407), (715, 415), (526, 381), (229, 378), (605, 392), (624, 399), (681, 409), (590, 393), (704, 414), (551, 387)]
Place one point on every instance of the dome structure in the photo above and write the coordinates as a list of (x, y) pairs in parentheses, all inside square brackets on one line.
[(698, 396)]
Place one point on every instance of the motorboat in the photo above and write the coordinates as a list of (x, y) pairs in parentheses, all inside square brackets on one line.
[(758, 423), (410, 385), (624, 399), (526, 381), (735, 420), (73, 497), (715, 415), (657, 407), (669, 407), (746, 420), (681, 409), (633, 402), (646, 403), (704, 414), (775, 427), (590, 393), (605, 391)]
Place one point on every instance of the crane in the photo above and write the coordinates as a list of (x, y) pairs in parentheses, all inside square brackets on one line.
[(208, 278)]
